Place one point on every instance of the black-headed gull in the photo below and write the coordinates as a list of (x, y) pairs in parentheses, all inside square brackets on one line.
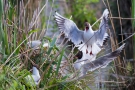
[(97, 63), (90, 39), (35, 76), (35, 44)]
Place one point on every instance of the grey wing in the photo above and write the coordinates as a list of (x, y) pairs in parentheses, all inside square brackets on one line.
[(102, 61), (104, 42), (69, 28), (101, 34)]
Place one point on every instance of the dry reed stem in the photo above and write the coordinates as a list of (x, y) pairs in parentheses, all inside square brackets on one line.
[(113, 39), (121, 18), (8, 59)]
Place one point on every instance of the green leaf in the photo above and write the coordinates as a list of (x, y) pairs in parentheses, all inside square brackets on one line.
[(59, 61), (33, 31), (48, 38), (133, 21), (133, 13), (51, 46), (1, 8), (1, 29)]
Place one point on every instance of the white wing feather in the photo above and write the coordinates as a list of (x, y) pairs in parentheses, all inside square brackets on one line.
[(69, 28)]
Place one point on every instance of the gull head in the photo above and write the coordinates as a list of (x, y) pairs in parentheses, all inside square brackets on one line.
[(87, 26), (79, 55)]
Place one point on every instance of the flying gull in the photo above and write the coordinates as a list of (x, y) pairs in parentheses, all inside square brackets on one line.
[(100, 62), (91, 40)]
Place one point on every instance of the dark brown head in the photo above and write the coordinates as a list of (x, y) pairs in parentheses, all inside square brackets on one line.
[(87, 26), (79, 55)]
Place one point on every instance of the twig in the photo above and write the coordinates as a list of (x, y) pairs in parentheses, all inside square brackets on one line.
[(122, 18), (49, 17), (97, 21)]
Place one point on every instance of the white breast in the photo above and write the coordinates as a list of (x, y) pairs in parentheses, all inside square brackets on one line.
[(89, 37)]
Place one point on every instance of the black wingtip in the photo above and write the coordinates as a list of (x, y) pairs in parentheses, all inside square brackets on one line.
[(106, 40)]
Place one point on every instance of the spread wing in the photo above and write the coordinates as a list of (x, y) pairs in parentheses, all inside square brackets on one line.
[(69, 28), (102, 61), (101, 34)]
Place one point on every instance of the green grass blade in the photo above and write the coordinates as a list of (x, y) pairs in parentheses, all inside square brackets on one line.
[(51, 46), (133, 13), (133, 21), (1, 30), (59, 61)]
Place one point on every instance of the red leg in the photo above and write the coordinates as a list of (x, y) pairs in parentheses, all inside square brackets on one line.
[(91, 51), (87, 50)]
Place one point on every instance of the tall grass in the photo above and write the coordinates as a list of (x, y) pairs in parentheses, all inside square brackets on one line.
[(24, 20), (19, 23)]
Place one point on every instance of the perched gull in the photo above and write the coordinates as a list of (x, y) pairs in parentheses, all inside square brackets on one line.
[(91, 40), (35, 76), (102, 61), (36, 44)]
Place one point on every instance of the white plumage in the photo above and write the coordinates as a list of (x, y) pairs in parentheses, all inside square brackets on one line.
[(36, 44), (35, 76)]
